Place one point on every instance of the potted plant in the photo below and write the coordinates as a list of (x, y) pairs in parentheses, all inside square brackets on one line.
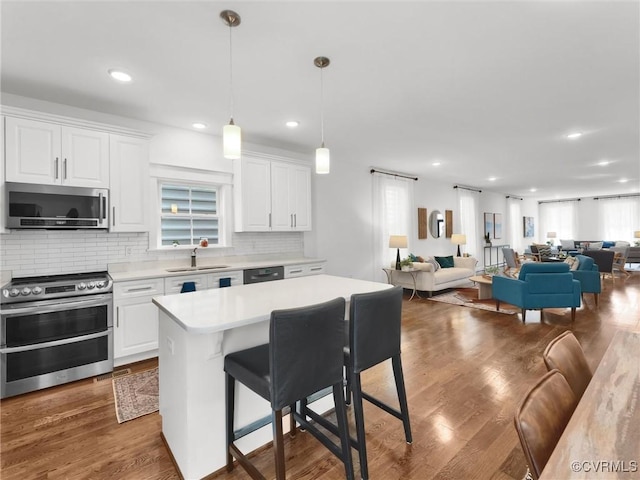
[(487, 239), (406, 264)]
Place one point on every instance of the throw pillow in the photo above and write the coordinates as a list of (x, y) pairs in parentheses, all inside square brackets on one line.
[(544, 250), (573, 262), (431, 260), (445, 262), (595, 246), (568, 244)]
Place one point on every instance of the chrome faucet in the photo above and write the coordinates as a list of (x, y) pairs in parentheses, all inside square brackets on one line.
[(193, 257)]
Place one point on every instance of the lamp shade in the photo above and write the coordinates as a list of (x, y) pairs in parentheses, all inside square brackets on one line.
[(398, 241), (551, 235), (231, 141), (322, 160), (459, 239), (636, 234)]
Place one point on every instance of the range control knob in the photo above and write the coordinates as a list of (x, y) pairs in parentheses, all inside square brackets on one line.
[(14, 292), (91, 285), (5, 293), (36, 290), (100, 284), (82, 286), (25, 291)]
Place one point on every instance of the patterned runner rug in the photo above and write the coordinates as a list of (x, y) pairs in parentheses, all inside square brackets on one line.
[(136, 394), (468, 297)]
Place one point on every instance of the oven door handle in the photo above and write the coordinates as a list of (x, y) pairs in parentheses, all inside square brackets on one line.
[(54, 343), (56, 305)]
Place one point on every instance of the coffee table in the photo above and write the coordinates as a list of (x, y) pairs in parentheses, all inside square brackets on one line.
[(484, 286)]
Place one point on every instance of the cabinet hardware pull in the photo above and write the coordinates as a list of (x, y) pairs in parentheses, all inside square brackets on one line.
[(140, 289), (64, 163), (56, 168), (113, 217), (117, 317), (269, 220), (313, 269), (295, 271), (295, 219), (291, 220)]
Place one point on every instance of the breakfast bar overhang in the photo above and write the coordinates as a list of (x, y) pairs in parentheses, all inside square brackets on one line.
[(196, 331)]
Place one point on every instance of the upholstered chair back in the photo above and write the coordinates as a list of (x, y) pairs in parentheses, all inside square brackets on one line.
[(546, 267)]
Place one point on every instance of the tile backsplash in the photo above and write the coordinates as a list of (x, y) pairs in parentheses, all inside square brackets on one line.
[(43, 252)]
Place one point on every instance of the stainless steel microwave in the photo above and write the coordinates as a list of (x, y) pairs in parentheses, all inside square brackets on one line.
[(55, 207)]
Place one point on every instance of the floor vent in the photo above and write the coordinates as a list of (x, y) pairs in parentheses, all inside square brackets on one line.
[(114, 374)]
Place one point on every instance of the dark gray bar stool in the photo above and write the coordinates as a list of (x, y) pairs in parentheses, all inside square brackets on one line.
[(374, 336), (304, 356)]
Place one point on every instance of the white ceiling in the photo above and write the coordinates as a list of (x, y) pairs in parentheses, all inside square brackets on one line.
[(485, 88)]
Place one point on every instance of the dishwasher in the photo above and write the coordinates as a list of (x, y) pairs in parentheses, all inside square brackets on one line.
[(268, 274)]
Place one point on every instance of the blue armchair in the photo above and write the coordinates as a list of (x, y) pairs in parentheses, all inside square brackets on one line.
[(588, 274), (539, 286)]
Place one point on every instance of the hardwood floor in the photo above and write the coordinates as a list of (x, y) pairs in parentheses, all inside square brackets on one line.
[(465, 371)]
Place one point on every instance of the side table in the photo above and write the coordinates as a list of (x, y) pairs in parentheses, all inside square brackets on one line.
[(413, 272)]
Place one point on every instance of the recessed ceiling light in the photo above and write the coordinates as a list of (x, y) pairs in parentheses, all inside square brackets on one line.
[(604, 163), (623, 180), (120, 75), (533, 189), (199, 125), (292, 123), (574, 135), (492, 179), (436, 164)]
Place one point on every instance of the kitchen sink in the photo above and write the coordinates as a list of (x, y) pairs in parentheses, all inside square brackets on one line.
[(196, 269)]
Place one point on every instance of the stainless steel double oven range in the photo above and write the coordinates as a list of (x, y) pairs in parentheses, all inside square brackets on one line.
[(54, 330)]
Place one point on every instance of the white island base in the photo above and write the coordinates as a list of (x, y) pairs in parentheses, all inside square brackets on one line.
[(196, 331)]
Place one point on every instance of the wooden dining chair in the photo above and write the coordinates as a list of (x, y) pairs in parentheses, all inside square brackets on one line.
[(565, 354), (542, 417)]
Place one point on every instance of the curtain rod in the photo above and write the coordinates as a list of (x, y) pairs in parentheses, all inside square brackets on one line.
[(373, 170), (467, 188), (618, 196), (513, 196), (560, 201)]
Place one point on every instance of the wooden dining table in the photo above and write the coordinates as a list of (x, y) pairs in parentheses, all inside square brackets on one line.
[(602, 439)]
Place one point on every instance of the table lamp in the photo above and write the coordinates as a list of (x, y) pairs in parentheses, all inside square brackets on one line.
[(398, 241), (459, 239), (636, 235), (551, 236)]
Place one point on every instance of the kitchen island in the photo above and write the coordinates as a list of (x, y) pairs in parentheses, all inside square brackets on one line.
[(196, 331)]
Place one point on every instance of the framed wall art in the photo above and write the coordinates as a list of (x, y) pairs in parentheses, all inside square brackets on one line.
[(497, 225), (528, 228), (488, 225)]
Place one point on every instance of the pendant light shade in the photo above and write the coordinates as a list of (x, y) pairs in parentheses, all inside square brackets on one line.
[(323, 158), (231, 133), (232, 141)]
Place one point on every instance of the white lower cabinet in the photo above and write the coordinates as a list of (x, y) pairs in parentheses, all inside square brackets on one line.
[(292, 271), (174, 284), (136, 320)]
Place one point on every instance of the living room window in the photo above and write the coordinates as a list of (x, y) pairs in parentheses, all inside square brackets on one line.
[(189, 213), (619, 216)]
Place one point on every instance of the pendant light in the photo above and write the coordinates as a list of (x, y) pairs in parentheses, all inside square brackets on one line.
[(322, 154), (231, 133)]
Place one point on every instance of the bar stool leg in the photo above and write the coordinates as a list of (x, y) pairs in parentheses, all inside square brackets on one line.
[(343, 429), (402, 396), (359, 416), (230, 407), (278, 443), (347, 393), (292, 421)]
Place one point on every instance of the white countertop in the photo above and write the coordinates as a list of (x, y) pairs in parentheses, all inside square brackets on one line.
[(220, 309), (121, 272)]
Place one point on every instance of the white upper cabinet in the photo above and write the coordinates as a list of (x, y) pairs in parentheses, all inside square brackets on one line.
[(51, 154), (129, 163), (252, 194), (271, 195)]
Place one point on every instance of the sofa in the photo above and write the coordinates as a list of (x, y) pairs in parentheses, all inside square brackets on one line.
[(431, 278), (634, 255)]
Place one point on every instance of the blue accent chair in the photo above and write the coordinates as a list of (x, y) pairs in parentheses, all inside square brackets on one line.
[(539, 285), (588, 274)]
